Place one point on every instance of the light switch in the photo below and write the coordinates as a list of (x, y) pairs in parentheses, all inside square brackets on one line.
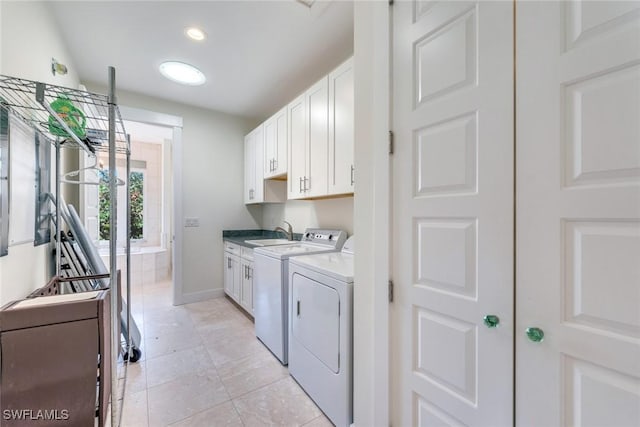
[(192, 222)]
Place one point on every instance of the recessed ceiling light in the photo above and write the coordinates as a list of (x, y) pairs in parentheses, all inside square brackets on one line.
[(182, 73), (195, 33)]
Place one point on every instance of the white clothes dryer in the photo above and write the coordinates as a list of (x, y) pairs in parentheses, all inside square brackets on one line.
[(321, 330), (271, 285)]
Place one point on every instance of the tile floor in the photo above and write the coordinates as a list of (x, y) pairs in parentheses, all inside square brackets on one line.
[(203, 366)]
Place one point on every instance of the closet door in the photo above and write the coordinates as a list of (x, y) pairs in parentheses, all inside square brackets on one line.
[(452, 214), (578, 213)]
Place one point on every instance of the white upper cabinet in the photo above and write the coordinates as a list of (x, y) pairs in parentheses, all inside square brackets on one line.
[(341, 132), (256, 189), (297, 163), (249, 169), (275, 145), (317, 119), (310, 142)]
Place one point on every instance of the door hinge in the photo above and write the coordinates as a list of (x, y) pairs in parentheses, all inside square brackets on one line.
[(390, 290), (391, 147)]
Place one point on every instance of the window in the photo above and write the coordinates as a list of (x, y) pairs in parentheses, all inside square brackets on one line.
[(136, 181)]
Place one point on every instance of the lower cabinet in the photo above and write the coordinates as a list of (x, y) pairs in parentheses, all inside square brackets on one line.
[(238, 275), (246, 292), (232, 277)]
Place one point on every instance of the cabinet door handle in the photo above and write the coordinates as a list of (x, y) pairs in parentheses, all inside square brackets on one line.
[(249, 273), (298, 304), (352, 176), (300, 185), (228, 262), (305, 184), (275, 164)]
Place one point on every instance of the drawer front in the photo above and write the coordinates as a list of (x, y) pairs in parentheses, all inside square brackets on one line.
[(232, 248)]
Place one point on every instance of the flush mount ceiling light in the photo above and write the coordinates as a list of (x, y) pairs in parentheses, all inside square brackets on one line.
[(182, 73), (195, 33)]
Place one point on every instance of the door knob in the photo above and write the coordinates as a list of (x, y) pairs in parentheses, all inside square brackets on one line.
[(535, 334), (491, 320)]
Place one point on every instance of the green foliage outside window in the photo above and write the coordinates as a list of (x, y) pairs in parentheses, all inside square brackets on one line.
[(136, 181)]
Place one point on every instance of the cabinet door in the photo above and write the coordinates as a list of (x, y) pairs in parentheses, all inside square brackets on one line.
[(297, 147), (228, 275), (236, 277), (258, 161), (275, 145), (270, 146), (341, 171), (246, 293), (281, 146), (249, 169), (317, 119)]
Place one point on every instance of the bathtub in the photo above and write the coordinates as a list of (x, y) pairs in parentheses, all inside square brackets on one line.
[(149, 264)]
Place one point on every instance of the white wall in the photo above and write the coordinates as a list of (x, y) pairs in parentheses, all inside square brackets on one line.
[(212, 184), (329, 213), (28, 40), (372, 201)]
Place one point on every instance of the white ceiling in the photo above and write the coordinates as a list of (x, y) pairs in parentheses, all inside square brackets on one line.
[(257, 57)]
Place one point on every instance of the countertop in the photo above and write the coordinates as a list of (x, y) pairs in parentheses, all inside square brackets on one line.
[(240, 237)]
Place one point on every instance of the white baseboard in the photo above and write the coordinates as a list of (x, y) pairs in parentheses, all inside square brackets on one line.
[(200, 296)]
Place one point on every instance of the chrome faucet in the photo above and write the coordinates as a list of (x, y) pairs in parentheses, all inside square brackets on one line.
[(288, 232)]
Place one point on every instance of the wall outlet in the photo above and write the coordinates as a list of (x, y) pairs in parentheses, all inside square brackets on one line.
[(192, 222)]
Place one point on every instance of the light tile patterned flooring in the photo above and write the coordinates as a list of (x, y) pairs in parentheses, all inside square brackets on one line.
[(202, 366)]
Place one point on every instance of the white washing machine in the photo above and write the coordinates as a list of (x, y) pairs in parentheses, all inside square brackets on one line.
[(321, 330), (270, 285)]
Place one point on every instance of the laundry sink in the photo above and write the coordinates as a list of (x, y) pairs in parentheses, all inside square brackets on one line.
[(270, 242)]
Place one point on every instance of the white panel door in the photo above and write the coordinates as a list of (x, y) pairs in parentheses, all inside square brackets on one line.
[(578, 213), (317, 101), (341, 134), (452, 214), (297, 147)]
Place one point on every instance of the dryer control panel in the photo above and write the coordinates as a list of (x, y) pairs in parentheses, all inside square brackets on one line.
[(331, 238)]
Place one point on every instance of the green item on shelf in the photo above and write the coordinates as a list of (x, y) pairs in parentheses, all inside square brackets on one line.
[(73, 117)]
